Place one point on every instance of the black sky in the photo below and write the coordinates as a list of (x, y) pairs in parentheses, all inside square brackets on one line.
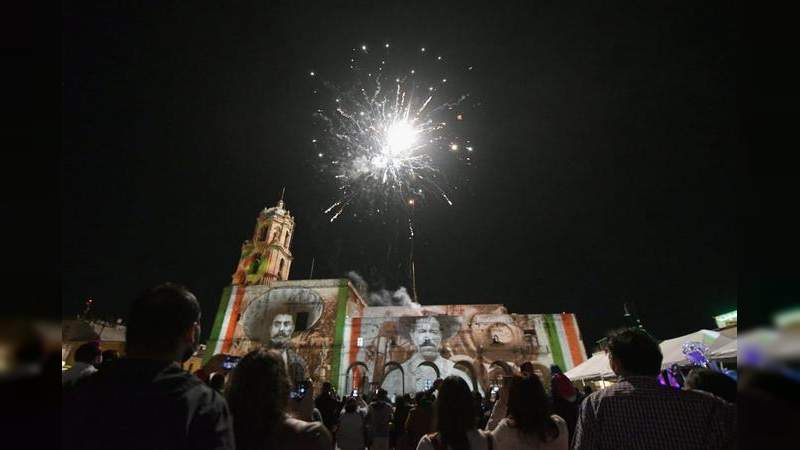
[(608, 166)]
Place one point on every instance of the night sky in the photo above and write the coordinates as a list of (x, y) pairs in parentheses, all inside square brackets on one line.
[(606, 165)]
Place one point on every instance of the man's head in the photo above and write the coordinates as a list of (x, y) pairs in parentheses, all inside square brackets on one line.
[(281, 330), (216, 381), (89, 353), (527, 368), (716, 383), (427, 337), (632, 351), (164, 323), (110, 355)]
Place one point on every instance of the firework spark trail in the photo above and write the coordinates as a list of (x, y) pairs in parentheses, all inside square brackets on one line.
[(384, 143)]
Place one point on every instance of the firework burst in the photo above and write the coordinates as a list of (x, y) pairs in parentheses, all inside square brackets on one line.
[(386, 137)]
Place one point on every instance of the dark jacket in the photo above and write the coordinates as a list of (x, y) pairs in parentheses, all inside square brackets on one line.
[(137, 404)]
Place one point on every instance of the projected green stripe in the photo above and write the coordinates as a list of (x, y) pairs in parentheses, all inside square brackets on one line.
[(216, 328), (555, 343), (338, 344)]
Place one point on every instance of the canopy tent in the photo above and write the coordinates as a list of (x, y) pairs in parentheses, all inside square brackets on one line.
[(672, 349), (726, 351), (598, 366), (595, 367)]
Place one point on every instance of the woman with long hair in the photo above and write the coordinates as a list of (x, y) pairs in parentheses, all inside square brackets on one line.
[(258, 394), (528, 423), (454, 420)]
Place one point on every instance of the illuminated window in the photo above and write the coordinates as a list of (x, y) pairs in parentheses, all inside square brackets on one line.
[(360, 341)]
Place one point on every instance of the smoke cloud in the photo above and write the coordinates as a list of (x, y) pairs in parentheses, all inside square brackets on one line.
[(381, 297)]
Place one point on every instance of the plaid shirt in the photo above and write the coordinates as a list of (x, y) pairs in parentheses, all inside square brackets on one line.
[(639, 413)]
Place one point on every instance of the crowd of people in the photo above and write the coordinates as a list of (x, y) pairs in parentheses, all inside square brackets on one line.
[(146, 400)]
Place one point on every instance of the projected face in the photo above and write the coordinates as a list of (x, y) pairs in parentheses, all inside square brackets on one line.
[(427, 336), (282, 329)]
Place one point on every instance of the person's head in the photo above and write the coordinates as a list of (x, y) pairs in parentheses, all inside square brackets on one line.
[(562, 387), (109, 356), (454, 414), (257, 394), (382, 396), (427, 337), (529, 408), (418, 397), (351, 405), (327, 389), (216, 381), (164, 323), (716, 383), (281, 330), (632, 351), (89, 353), (526, 368)]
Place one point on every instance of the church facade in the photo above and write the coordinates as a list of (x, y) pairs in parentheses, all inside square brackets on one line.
[(326, 332)]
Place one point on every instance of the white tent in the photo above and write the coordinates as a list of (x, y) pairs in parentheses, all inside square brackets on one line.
[(726, 351), (598, 366), (594, 367), (672, 349)]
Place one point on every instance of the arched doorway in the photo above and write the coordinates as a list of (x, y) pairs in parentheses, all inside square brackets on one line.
[(465, 367), (356, 377), (394, 380), (425, 374)]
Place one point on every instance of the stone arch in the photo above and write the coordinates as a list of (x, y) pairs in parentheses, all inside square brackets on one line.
[(503, 365), (352, 377), (430, 364), (465, 366), (390, 367)]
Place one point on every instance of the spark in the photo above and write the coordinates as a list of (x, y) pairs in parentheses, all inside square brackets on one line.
[(385, 139)]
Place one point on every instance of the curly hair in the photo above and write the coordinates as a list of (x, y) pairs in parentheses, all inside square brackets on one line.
[(529, 408), (258, 393), (453, 413)]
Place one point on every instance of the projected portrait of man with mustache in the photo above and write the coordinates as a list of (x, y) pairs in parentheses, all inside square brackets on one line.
[(427, 333), (271, 321)]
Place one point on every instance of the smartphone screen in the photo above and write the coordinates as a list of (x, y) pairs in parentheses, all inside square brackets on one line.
[(230, 362)]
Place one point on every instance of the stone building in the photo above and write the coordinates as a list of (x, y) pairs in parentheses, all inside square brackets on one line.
[(326, 331)]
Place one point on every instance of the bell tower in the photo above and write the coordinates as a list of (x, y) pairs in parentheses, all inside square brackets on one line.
[(266, 257)]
